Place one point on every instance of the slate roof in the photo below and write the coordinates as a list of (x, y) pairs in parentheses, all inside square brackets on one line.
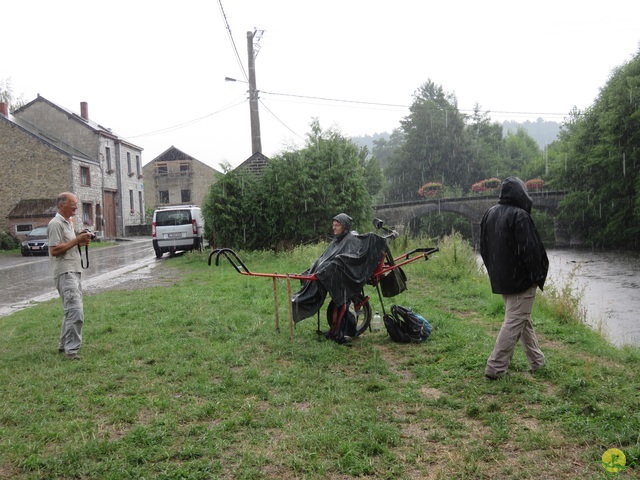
[(96, 127), (34, 207), (34, 131)]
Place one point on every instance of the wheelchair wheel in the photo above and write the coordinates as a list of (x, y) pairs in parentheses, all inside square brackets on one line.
[(360, 309)]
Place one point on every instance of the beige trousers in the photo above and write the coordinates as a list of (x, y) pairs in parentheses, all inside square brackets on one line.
[(517, 325)]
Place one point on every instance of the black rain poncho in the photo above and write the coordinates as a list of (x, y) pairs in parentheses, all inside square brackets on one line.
[(510, 244), (342, 270)]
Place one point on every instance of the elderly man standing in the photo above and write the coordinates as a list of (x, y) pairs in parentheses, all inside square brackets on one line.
[(67, 267)]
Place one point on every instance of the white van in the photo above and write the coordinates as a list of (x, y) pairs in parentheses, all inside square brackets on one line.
[(177, 227)]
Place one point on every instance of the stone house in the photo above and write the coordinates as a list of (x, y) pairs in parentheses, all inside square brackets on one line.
[(176, 178), (31, 213), (46, 149), (256, 163)]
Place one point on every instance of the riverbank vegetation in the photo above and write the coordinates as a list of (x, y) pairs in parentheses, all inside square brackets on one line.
[(193, 381), (595, 161)]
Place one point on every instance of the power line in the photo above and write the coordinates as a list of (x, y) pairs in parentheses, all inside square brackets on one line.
[(335, 99), (281, 122), (379, 104), (233, 44), (325, 99), (187, 123)]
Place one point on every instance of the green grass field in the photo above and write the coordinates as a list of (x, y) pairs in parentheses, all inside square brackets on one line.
[(192, 381)]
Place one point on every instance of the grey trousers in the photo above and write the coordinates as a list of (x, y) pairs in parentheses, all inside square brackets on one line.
[(70, 289), (517, 325)]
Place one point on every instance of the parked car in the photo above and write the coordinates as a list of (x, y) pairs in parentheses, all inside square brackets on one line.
[(177, 228), (36, 242)]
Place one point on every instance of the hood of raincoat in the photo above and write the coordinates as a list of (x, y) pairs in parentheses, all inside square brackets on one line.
[(345, 220), (514, 192)]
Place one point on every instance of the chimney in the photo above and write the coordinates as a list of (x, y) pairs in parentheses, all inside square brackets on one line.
[(4, 109), (84, 110)]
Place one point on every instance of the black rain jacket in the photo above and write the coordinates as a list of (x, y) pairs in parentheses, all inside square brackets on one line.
[(342, 270), (510, 244)]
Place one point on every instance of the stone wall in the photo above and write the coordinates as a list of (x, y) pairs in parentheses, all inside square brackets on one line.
[(204, 177), (198, 179)]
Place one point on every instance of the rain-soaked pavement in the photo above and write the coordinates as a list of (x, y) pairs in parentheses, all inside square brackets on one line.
[(25, 281)]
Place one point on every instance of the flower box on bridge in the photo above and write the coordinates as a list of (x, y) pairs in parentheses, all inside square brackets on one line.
[(488, 184), (534, 184), (430, 189)]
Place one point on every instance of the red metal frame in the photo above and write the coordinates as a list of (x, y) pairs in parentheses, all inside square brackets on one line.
[(381, 270)]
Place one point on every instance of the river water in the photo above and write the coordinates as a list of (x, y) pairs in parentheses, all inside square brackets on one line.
[(609, 287)]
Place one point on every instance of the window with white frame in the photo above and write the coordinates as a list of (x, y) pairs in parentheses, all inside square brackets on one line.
[(23, 228)]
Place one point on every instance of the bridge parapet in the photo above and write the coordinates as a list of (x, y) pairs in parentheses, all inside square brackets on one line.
[(472, 208)]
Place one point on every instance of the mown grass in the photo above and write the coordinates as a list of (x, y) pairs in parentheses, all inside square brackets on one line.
[(193, 381)]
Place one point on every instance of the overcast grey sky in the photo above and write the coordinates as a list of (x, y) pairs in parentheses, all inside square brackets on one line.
[(154, 71)]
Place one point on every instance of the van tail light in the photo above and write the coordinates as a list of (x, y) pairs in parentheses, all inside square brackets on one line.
[(195, 227), (153, 229)]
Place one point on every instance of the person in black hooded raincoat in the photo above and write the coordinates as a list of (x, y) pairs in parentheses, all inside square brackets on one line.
[(342, 270), (517, 264)]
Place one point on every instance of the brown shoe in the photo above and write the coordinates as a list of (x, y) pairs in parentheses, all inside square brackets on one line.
[(72, 356)]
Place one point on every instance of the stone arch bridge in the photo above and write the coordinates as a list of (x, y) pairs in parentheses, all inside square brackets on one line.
[(400, 215)]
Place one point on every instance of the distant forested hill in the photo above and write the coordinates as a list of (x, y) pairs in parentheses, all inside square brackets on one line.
[(542, 131), (367, 140)]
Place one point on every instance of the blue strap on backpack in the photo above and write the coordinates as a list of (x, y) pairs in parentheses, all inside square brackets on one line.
[(405, 326)]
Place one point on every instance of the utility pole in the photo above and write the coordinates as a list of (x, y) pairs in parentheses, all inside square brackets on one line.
[(256, 141)]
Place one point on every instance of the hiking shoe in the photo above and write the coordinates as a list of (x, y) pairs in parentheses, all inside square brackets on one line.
[(534, 370), (72, 356)]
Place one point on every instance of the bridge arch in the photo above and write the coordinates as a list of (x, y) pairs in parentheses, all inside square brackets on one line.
[(401, 215)]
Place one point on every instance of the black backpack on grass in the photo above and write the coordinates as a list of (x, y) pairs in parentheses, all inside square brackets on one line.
[(405, 326)]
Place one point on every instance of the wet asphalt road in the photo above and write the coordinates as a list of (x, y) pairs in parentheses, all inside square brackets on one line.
[(27, 280)]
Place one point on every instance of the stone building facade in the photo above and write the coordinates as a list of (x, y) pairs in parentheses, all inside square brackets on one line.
[(46, 149), (176, 178), (255, 164), (34, 168)]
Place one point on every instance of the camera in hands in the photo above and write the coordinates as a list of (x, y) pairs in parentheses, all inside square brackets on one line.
[(93, 234)]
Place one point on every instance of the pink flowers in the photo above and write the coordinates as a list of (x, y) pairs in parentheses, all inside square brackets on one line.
[(430, 189), (486, 184), (534, 184)]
